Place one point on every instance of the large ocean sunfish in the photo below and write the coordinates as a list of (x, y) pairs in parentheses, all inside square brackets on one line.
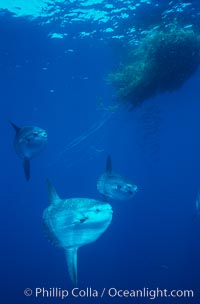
[(74, 222), (29, 141), (114, 186)]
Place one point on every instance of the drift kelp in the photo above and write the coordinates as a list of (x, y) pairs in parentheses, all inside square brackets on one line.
[(162, 62)]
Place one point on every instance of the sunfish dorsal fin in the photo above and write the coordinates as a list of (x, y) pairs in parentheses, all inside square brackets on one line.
[(109, 165), (71, 256), (52, 194), (14, 126)]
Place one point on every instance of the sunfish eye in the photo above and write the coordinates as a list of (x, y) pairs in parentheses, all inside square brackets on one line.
[(97, 210), (43, 134)]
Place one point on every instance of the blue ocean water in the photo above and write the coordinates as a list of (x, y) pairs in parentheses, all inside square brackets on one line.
[(53, 67)]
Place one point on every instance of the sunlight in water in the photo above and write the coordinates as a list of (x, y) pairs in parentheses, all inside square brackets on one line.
[(33, 8), (106, 16)]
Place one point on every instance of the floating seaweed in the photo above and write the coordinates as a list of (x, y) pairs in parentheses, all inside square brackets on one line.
[(162, 62)]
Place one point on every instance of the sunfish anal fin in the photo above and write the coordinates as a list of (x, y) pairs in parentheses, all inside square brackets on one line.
[(71, 256), (14, 126), (109, 165), (26, 165)]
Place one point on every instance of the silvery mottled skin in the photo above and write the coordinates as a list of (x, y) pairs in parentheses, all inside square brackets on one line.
[(74, 222), (29, 141), (114, 186)]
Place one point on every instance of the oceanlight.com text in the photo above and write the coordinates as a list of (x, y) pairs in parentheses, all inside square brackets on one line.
[(89, 292), (151, 293)]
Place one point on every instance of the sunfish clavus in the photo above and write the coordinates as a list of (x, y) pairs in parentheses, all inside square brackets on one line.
[(29, 141), (74, 222), (114, 186)]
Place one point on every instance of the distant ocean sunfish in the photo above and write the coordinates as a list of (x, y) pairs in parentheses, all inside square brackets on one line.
[(197, 207), (29, 141), (74, 222), (114, 186)]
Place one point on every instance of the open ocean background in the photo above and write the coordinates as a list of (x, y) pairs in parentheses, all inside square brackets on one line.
[(57, 83)]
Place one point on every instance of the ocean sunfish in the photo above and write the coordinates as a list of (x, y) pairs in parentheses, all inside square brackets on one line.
[(197, 207), (74, 222), (114, 186), (29, 141)]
